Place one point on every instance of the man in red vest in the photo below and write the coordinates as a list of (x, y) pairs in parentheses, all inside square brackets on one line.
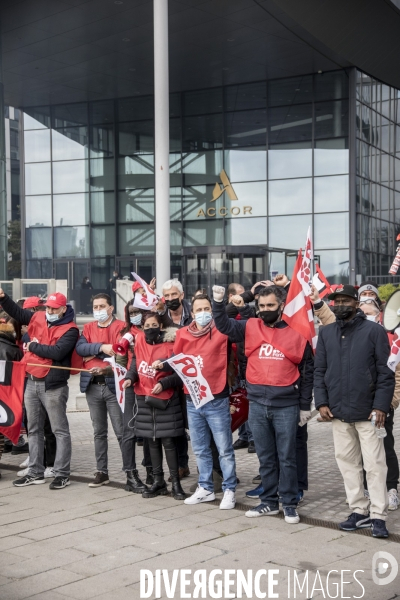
[(53, 335), (279, 380), (95, 344)]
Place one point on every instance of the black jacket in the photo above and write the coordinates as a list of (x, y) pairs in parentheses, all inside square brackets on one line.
[(9, 350), (186, 315), (299, 393), (351, 372), (60, 353)]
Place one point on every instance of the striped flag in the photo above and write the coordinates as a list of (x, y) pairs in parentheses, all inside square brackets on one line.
[(321, 283)]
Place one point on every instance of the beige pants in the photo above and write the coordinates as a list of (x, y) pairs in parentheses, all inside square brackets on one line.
[(357, 445)]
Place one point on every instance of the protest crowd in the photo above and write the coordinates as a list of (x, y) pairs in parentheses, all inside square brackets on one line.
[(173, 369)]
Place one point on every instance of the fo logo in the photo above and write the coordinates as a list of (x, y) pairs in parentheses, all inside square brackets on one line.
[(383, 563), (265, 350)]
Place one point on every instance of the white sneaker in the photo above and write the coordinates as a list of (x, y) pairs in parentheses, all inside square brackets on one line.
[(200, 495), (228, 501), (49, 472), (393, 499), (25, 463), (23, 472)]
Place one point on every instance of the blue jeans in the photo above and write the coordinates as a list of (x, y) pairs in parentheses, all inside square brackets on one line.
[(212, 417), (245, 432), (274, 430)]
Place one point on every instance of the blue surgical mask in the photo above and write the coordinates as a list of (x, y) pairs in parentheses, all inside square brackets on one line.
[(136, 320), (101, 315), (52, 318), (203, 318)]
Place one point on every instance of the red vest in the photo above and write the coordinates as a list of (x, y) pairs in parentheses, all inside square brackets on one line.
[(47, 336), (104, 335), (273, 354), (146, 354), (213, 350)]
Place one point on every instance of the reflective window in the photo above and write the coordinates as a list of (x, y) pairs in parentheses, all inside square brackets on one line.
[(38, 243), (71, 242), (289, 124), (102, 112), (70, 143), (245, 96), (37, 117), (71, 176), (331, 119), (245, 128), (331, 85), (175, 203), (101, 141), (38, 211), (175, 170), (202, 167), (102, 205), (136, 239), (240, 231), (290, 196), (202, 102), (176, 237), (246, 164), (37, 145), (330, 161), (201, 233), (331, 193), (38, 178), (39, 269), (175, 135), (288, 232), (68, 115), (103, 240), (136, 205), (295, 90), (334, 265), (102, 174), (331, 230), (136, 109), (136, 138), (77, 212), (283, 164), (203, 133), (136, 171), (199, 202), (252, 200)]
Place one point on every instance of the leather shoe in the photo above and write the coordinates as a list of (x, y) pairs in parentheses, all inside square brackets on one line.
[(251, 449), (159, 488), (240, 444)]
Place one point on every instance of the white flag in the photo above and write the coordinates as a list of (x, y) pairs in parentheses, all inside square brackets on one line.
[(119, 377), (189, 370), (394, 357), (148, 301)]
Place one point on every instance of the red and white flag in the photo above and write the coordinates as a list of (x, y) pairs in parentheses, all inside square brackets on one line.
[(12, 381), (189, 370), (394, 357), (119, 378), (149, 300), (321, 283)]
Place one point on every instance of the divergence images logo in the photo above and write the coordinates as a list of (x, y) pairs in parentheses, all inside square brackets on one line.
[(382, 562), (223, 211)]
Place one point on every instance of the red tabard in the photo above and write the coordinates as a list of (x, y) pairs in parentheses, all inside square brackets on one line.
[(273, 354), (146, 354), (104, 335), (213, 352), (47, 336)]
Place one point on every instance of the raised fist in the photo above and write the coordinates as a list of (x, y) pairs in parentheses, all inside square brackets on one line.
[(237, 300), (218, 293)]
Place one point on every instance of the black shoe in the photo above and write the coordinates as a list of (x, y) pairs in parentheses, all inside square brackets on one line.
[(99, 480), (355, 521), (256, 479), (139, 441), (251, 449), (159, 488), (177, 491), (28, 480), (59, 483), (7, 448), (379, 528), (134, 483), (149, 478), (20, 449), (240, 444)]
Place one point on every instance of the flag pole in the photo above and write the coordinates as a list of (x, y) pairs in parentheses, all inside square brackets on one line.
[(61, 368)]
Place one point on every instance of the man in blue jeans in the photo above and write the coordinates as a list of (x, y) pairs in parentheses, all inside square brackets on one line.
[(279, 380)]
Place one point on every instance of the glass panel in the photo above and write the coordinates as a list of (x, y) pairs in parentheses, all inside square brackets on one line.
[(331, 193), (330, 161), (101, 271), (136, 239), (202, 102), (295, 90), (136, 205), (246, 96), (102, 112), (176, 237), (245, 231), (38, 211), (246, 128), (136, 138), (290, 196), (70, 176), (289, 124), (37, 118), (39, 269), (101, 141), (70, 143), (202, 133), (175, 135), (102, 207), (331, 230), (135, 109), (38, 243), (288, 232), (70, 209), (175, 203), (175, 105), (175, 170), (61, 269), (80, 270), (68, 115), (201, 233), (246, 165), (334, 84), (38, 179), (37, 146), (331, 119), (102, 175), (71, 241), (103, 240), (252, 200), (136, 171), (203, 167), (283, 164), (335, 265)]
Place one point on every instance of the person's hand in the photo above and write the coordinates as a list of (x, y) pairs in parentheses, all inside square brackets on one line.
[(237, 300), (87, 358), (265, 283), (305, 415), (325, 414), (157, 389), (127, 383), (218, 293), (232, 409), (160, 307), (314, 296), (107, 349), (379, 419), (2, 293), (157, 365), (152, 284), (281, 280), (98, 370)]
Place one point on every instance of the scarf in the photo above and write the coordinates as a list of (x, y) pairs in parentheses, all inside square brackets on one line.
[(200, 332)]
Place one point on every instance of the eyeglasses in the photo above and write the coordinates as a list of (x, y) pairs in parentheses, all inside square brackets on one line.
[(370, 301)]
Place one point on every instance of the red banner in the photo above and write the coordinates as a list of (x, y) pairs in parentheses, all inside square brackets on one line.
[(12, 380)]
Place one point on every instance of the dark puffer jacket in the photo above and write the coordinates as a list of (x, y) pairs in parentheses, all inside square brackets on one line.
[(9, 350), (351, 373), (152, 422)]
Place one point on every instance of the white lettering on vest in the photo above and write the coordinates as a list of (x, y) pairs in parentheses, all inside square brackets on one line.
[(146, 370), (268, 351)]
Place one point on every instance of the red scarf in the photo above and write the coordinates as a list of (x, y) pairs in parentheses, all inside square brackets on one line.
[(200, 332)]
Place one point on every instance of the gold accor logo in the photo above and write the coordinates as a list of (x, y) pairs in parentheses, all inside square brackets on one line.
[(219, 189)]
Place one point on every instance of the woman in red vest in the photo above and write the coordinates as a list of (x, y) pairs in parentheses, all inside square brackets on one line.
[(159, 417)]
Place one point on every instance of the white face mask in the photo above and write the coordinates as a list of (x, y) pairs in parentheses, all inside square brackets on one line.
[(371, 318), (364, 298), (101, 315), (52, 318), (203, 318), (136, 320)]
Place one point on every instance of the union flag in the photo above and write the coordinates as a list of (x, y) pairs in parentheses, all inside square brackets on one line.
[(12, 380)]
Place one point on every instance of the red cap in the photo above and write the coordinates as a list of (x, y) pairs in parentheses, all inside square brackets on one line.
[(56, 300), (136, 286), (32, 302)]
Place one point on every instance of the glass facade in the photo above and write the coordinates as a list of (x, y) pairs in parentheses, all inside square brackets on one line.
[(252, 164)]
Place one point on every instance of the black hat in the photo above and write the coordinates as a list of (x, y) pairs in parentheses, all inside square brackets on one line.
[(344, 290)]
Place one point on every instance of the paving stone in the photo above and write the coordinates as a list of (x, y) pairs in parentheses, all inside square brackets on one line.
[(110, 560), (41, 564), (36, 584)]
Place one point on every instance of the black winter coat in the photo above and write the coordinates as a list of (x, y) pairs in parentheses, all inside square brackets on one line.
[(351, 373), (9, 350)]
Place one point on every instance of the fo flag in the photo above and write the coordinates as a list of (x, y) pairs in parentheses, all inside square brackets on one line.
[(12, 380), (189, 370), (149, 300), (394, 357), (119, 378), (321, 283)]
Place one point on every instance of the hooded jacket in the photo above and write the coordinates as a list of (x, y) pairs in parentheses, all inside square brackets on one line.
[(9, 349)]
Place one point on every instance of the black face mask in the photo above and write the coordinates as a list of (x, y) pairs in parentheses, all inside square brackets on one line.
[(173, 304), (152, 334), (343, 312), (269, 316)]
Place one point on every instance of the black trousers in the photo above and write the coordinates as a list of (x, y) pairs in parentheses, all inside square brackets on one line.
[(146, 462), (182, 447), (302, 457), (171, 454), (392, 477)]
